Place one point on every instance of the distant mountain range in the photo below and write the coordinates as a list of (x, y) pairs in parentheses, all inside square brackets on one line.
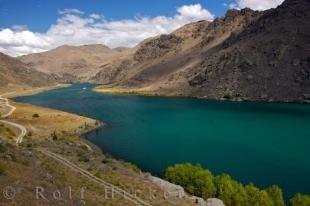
[(71, 63), (246, 55)]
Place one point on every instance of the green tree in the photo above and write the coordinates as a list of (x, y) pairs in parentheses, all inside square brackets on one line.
[(200, 182), (231, 192), (203, 183), (300, 200), (265, 199), (193, 178), (276, 195), (257, 197)]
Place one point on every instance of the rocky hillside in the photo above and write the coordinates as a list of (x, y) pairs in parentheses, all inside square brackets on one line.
[(268, 60), (14, 72), (71, 63), (155, 58), (244, 55)]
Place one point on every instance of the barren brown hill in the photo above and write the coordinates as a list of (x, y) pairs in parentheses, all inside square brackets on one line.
[(162, 61), (244, 55), (14, 72), (71, 63)]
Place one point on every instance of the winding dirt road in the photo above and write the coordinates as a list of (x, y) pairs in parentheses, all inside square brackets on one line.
[(23, 131), (130, 197), (4, 102)]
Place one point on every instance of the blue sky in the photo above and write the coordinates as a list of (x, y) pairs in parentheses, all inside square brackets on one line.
[(30, 26), (38, 15)]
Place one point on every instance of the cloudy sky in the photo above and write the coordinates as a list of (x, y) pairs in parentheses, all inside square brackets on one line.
[(40, 25)]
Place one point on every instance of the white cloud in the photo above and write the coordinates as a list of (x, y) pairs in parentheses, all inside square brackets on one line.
[(194, 11), (70, 11), (73, 28), (19, 27), (96, 16), (255, 4)]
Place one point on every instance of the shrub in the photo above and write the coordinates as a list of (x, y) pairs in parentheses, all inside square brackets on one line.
[(10, 132), (132, 166), (105, 160), (2, 170), (84, 158), (54, 136), (227, 96), (2, 148), (35, 115), (300, 200), (84, 147)]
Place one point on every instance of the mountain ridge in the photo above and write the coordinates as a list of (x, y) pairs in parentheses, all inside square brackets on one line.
[(71, 63), (245, 55)]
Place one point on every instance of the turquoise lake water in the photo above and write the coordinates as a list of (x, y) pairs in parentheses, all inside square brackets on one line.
[(263, 143)]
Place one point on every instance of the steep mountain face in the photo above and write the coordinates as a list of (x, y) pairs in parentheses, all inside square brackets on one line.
[(155, 58), (245, 55), (165, 62), (268, 60), (71, 63), (14, 72)]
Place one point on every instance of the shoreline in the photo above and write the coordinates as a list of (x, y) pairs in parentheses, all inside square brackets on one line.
[(82, 134), (33, 91), (143, 93), (159, 182)]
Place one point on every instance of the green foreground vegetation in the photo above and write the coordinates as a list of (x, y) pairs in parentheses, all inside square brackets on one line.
[(202, 183)]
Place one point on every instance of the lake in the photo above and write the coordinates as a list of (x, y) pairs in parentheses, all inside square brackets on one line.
[(263, 143)]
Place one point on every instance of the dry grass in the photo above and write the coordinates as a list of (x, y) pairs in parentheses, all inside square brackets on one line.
[(17, 90), (7, 132), (50, 121), (124, 91), (3, 109)]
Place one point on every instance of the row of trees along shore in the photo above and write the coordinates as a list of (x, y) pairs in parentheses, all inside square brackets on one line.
[(202, 183)]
